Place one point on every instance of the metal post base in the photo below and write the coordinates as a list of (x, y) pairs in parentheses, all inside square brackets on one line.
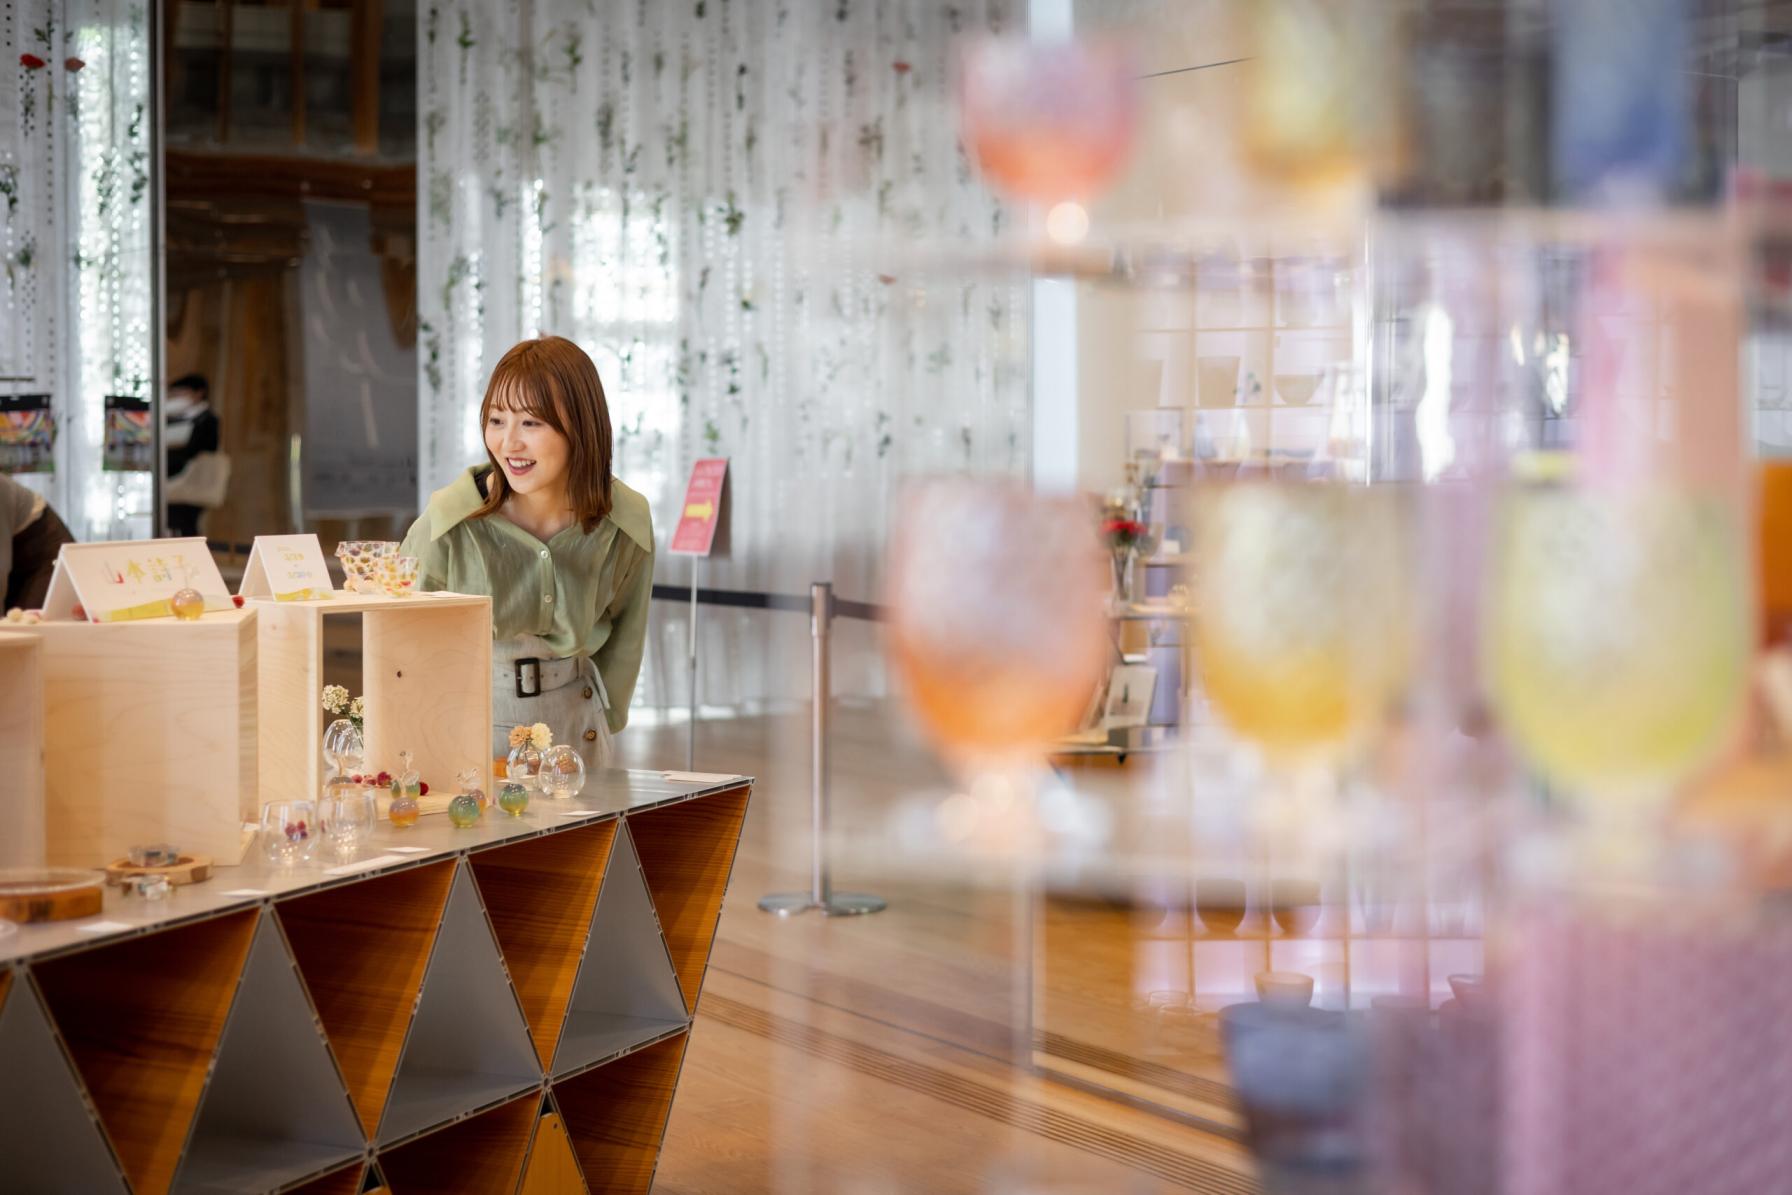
[(841, 904)]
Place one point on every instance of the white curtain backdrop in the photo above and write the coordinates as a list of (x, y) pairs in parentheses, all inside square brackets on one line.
[(75, 243), (704, 195)]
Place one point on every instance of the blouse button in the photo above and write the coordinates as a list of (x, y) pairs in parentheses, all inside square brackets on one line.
[(591, 736), (544, 553), (547, 597), (587, 692)]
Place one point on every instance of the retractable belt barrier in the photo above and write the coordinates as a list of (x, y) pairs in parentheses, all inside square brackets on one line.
[(823, 608)]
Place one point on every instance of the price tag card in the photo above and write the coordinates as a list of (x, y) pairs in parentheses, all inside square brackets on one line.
[(130, 579), (287, 568)]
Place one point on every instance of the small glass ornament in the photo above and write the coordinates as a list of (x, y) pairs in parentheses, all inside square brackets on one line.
[(188, 604), (513, 798), (287, 830), (344, 746), (403, 811), (524, 765), (467, 779), (463, 811), (562, 772)]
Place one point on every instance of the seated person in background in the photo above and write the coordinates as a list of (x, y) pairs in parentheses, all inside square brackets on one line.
[(33, 537), (198, 471)]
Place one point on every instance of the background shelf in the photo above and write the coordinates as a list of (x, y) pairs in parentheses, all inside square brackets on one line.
[(552, 1168)]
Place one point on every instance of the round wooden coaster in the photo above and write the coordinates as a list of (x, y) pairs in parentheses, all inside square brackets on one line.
[(188, 869), (48, 894)]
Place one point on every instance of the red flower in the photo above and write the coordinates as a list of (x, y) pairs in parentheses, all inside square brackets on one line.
[(901, 67), (423, 788), (72, 64), (886, 279), (30, 62), (237, 599)]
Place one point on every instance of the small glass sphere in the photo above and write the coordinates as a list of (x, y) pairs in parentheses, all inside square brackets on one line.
[(188, 604), (562, 772), (463, 811), (524, 765), (344, 746), (403, 811), (513, 798)]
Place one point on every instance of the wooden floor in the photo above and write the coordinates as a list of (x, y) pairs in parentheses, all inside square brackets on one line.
[(885, 1053)]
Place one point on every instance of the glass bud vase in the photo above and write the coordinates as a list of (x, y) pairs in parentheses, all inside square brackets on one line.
[(344, 746), (562, 772), (524, 765)]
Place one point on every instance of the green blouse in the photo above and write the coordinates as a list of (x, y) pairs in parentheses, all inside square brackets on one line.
[(583, 593)]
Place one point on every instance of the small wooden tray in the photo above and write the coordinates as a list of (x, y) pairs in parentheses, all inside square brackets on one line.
[(188, 869), (49, 895)]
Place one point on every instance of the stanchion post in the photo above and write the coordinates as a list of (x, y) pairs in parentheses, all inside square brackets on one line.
[(690, 746), (821, 894)]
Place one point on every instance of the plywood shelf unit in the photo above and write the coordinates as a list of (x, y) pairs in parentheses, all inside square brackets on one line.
[(481, 1153), (687, 854), (148, 736), (141, 1020), (616, 1115), (425, 674), (502, 1016), (21, 751)]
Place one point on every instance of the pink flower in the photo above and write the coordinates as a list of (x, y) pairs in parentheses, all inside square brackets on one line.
[(72, 64)]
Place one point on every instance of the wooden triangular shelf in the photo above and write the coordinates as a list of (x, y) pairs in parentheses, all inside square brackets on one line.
[(540, 894), (48, 1135), (627, 992), (552, 1168), (141, 1019), (346, 1181), (480, 1153), (468, 1045), (615, 1115), (687, 852), (362, 949), (252, 1135)]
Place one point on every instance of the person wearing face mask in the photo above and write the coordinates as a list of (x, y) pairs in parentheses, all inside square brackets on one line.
[(563, 548), (198, 470)]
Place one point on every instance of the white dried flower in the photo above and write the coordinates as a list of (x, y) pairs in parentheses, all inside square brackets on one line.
[(358, 708), (540, 737), (335, 698)]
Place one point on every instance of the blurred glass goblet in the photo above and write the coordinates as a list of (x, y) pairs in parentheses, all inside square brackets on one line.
[(997, 631)]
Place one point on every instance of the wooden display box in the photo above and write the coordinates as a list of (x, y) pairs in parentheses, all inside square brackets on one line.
[(426, 674), (149, 736), (21, 751)]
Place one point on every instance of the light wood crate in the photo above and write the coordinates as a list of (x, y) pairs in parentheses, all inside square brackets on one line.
[(149, 736), (426, 674), (21, 751)]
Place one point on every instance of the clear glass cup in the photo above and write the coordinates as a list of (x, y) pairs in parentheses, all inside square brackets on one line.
[(360, 559), (524, 765), (347, 813), (289, 831), (397, 574)]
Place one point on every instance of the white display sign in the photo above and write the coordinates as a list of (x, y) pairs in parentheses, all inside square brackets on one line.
[(287, 568), (130, 579)]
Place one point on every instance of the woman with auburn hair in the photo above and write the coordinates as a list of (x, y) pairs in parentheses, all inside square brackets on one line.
[(563, 548)]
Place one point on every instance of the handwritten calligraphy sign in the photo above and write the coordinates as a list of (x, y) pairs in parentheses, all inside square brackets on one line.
[(129, 579)]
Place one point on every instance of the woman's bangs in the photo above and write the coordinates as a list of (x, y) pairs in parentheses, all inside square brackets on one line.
[(512, 393)]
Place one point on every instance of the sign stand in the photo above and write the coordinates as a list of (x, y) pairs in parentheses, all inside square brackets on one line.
[(702, 531)]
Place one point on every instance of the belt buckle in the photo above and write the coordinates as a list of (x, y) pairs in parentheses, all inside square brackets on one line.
[(528, 662)]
